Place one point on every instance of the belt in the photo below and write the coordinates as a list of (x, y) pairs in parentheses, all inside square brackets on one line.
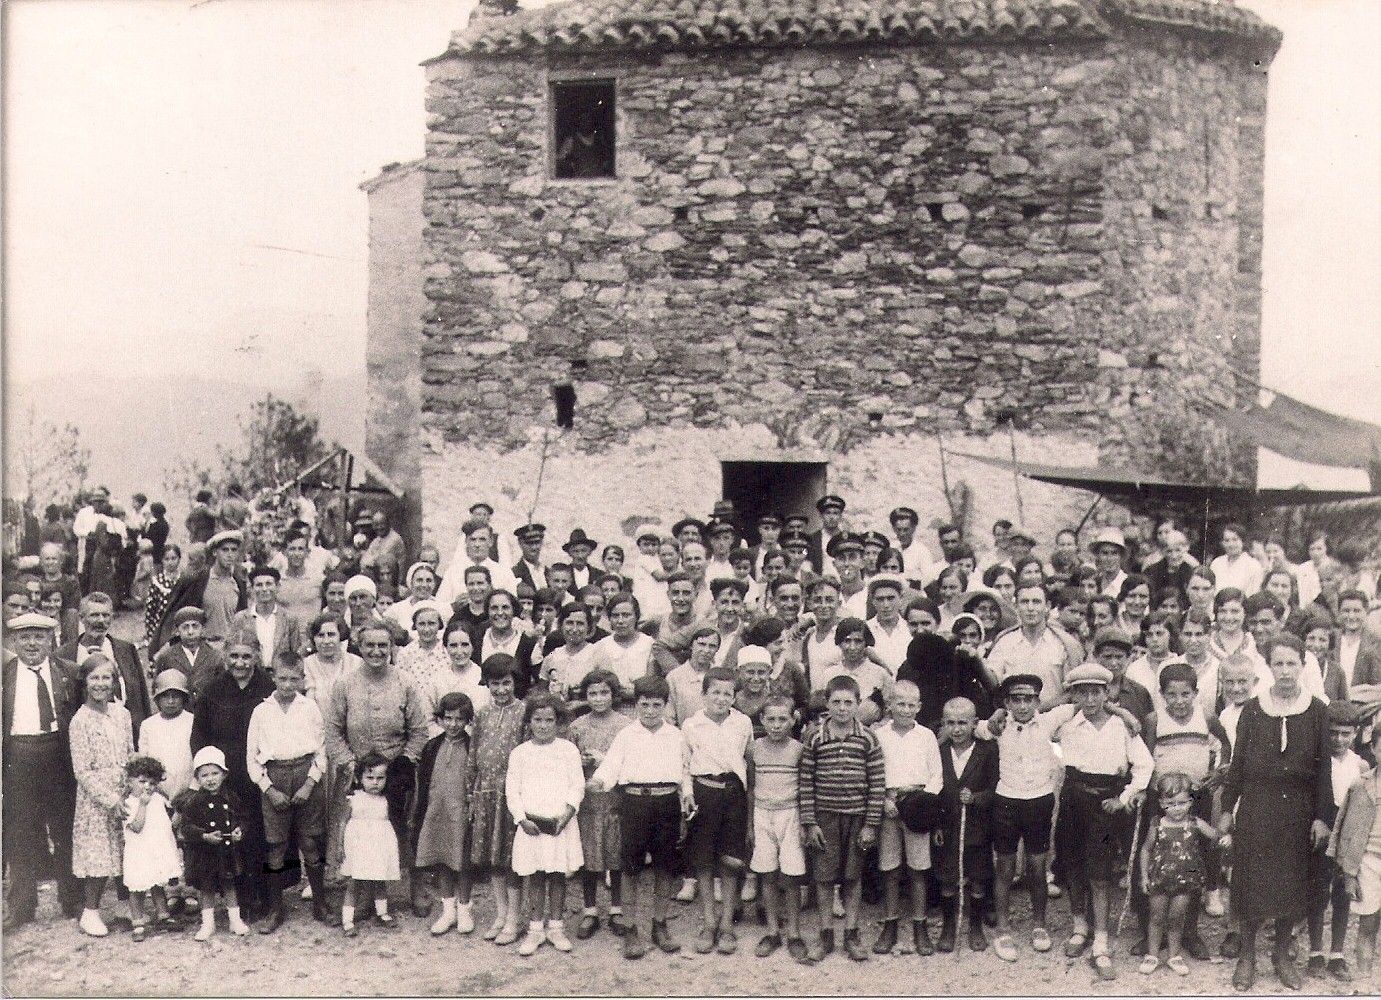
[(715, 780), (664, 788), (35, 737), (1095, 782), (306, 758)]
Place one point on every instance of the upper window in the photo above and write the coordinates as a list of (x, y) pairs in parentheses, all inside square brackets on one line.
[(583, 115)]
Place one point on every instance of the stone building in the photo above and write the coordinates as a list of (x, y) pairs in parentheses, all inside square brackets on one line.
[(776, 246)]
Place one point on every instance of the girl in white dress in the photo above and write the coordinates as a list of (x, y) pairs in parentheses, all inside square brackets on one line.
[(151, 857), (371, 846), (544, 787)]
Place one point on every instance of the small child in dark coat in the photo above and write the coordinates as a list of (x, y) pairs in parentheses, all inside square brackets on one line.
[(212, 828), (970, 771)]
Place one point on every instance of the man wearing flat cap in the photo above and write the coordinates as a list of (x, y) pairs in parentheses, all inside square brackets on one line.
[(40, 696), (831, 510), (529, 569), (221, 590)]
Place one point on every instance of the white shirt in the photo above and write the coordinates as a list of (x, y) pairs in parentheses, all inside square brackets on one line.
[(823, 655), (489, 645), (316, 565), (1014, 653), (1106, 750), (891, 646), (1346, 770), (453, 583), (910, 759), (169, 741), (26, 714), (1307, 576), (537, 572), (855, 605), (917, 562), (716, 569), (1114, 586), (960, 758), (276, 733), (264, 627), (717, 747), (1231, 713), (1244, 573), (627, 663), (1026, 760), (1348, 646), (639, 756)]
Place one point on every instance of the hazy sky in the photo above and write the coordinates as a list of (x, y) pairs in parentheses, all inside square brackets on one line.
[(181, 184)]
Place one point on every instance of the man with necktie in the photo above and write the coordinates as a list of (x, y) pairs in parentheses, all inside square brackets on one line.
[(39, 698), (131, 687)]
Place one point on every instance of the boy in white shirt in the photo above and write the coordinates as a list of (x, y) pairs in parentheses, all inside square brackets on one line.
[(911, 761)]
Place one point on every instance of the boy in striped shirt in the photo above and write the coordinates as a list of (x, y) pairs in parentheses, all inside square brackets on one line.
[(842, 789)]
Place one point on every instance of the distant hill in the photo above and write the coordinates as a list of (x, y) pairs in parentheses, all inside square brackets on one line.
[(138, 428)]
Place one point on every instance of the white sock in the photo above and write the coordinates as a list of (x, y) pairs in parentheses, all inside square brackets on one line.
[(347, 916), (381, 907), (591, 911), (535, 925), (1100, 942), (556, 924), (614, 910), (233, 912)]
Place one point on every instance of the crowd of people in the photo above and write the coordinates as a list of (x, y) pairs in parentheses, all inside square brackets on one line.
[(787, 726)]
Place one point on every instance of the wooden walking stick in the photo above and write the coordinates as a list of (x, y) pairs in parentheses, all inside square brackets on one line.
[(959, 915), (1131, 869)]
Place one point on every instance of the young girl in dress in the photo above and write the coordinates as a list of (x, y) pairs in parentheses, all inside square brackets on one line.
[(1174, 865), (150, 849), (371, 846), (498, 729), (101, 742), (544, 787), (600, 838), (211, 835), (440, 815)]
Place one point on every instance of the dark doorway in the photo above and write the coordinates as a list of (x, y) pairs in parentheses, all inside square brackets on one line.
[(783, 488)]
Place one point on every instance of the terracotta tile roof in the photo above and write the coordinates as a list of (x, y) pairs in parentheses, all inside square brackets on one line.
[(594, 25)]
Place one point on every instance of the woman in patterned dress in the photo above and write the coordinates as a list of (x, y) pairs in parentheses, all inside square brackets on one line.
[(102, 741)]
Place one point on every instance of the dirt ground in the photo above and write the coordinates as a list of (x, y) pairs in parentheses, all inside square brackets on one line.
[(304, 958)]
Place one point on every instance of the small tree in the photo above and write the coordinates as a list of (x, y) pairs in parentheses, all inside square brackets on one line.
[(278, 443), (51, 463)]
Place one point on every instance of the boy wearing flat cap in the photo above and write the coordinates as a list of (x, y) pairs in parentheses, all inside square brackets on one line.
[(188, 653)]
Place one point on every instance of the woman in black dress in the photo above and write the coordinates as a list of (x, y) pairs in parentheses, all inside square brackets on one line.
[(1281, 782)]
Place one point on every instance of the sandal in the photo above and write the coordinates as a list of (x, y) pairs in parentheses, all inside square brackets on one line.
[(1178, 964), (1076, 944), (1149, 964)]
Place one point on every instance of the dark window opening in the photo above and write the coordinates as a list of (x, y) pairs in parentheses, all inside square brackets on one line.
[(583, 115)]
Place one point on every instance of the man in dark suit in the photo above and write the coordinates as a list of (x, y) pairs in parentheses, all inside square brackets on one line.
[(40, 696), (190, 591), (131, 686), (529, 569), (831, 510)]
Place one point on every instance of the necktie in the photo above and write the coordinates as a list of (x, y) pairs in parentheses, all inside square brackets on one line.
[(46, 716)]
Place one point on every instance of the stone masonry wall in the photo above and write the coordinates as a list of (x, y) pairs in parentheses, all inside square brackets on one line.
[(807, 237)]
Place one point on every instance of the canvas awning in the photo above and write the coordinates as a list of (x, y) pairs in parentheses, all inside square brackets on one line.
[(1124, 484)]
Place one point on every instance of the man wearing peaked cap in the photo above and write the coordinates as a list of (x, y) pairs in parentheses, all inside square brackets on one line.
[(917, 561), (769, 538), (831, 509), (40, 695), (529, 568)]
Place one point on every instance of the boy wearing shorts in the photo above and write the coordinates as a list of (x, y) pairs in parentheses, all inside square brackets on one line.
[(842, 788), (911, 761), (778, 856), (714, 799), (1356, 848)]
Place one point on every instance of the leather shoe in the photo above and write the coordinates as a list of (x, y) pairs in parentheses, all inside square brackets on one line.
[(887, 940), (589, 923), (633, 946), (853, 945), (1139, 948), (619, 925), (661, 937), (920, 933), (821, 947), (1285, 969), (1244, 976)]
